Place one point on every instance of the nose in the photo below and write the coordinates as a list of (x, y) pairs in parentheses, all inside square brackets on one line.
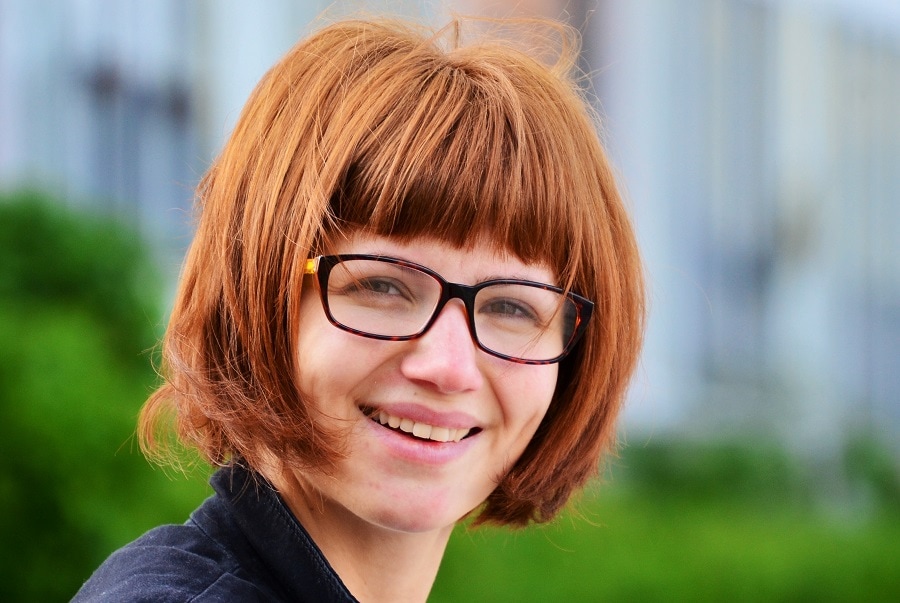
[(445, 358)]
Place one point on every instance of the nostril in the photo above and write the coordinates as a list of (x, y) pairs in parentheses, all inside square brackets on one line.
[(444, 364)]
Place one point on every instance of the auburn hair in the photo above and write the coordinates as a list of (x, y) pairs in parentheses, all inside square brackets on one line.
[(397, 131)]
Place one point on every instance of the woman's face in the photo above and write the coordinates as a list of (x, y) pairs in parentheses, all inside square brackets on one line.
[(440, 382)]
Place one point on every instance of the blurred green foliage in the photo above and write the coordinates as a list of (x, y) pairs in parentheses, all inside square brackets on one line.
[(699, 521), (678, 520), (79, 313)]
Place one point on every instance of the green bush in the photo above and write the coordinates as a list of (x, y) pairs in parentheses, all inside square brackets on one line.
[(696, 521), (79, 313), (750, 472)]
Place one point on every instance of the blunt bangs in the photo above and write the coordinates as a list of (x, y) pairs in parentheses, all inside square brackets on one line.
[(464, 145)]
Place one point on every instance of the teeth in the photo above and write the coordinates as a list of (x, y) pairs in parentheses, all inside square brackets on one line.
[(422, 430), (440, 434)]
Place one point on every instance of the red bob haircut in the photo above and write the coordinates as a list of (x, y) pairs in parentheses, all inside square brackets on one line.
[(383, 128)]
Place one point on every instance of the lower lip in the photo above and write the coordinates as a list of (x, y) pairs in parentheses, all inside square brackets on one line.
[(425, 452)]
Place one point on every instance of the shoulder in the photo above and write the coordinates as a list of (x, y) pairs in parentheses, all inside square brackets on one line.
[(172, 564), (241, 544)]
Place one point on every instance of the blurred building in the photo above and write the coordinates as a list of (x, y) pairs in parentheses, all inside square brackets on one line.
[(759, 142)]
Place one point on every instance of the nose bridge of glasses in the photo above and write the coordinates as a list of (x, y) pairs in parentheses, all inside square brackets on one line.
[(466, 296)]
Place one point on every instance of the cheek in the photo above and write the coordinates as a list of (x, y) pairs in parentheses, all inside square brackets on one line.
[(316, 344), (527, 393), (335, 366)]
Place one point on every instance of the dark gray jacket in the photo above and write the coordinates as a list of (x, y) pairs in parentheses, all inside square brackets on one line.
[(241, 544)]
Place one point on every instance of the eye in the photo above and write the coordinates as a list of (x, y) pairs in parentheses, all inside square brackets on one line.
[(508, 308), (376, 286)]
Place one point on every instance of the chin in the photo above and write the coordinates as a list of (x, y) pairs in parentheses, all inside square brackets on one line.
[(416, 519)]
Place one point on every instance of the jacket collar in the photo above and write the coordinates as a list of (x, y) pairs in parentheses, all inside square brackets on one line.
[(281, 545)]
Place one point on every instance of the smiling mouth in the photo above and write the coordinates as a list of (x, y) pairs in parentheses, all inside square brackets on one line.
[(421, 431)]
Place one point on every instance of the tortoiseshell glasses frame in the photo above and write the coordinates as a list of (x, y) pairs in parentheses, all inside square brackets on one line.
[(530, 322)]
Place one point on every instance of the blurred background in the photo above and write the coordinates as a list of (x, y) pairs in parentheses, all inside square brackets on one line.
[(759, 146)]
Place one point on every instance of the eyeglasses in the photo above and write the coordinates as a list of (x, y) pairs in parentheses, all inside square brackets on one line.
[(395, 300)]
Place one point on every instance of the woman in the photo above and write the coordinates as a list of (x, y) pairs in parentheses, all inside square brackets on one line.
[(413, 296)]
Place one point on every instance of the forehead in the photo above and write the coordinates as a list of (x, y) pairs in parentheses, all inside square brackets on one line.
[(478, 261)]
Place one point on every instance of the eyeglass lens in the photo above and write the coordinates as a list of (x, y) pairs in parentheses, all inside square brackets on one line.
[(392, 300)]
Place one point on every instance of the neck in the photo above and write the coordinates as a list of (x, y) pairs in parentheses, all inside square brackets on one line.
[(375, 563)]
